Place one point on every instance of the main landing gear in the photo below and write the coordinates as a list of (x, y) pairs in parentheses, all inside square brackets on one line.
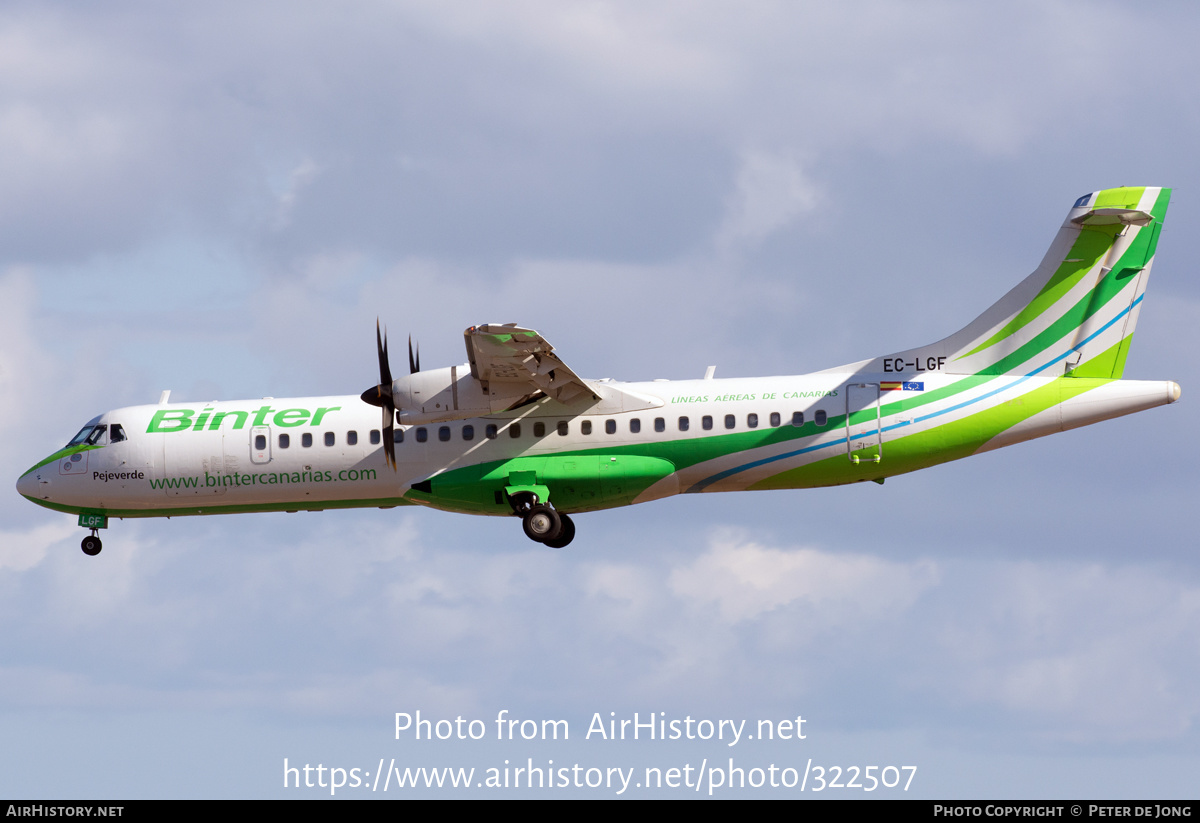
[(91, 544), (543, 523)]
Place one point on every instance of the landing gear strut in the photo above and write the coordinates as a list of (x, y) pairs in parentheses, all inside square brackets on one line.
[(91, 544)]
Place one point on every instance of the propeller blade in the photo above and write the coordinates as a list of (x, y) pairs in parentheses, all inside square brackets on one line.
[(381, 395), (389, 440), (414, 363), (385, 369)]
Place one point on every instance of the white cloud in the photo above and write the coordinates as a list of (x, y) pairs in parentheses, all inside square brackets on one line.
[(21, 550), (298, 179), (1079, 651), (745, 580), (1069, 652), (622, 48), (33, 383), (772, 191)]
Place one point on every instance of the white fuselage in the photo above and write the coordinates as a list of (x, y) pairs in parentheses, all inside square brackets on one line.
[(323, 452)]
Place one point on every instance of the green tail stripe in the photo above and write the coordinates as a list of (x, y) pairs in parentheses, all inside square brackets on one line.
[(1131, 263), (1118, 369), (1108, 363), (1123, 197), (1089, 248)]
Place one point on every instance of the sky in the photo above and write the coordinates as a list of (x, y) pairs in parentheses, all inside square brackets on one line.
[(220, 199)]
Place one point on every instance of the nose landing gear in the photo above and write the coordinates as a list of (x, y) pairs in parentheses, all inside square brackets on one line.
[(92, 521), (91, 544)]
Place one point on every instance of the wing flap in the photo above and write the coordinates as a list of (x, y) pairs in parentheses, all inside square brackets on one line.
[(523, 359)]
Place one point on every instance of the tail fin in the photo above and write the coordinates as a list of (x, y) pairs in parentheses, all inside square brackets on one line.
[(1076, 313)]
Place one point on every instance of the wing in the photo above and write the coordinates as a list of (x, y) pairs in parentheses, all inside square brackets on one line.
[(521, 362)]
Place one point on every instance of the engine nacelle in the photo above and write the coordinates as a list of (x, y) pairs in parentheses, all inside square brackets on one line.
[(439, 395)]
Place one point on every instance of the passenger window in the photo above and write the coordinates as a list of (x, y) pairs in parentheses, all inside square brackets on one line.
[(610, 426), (490, 431), (775, 419), (260, 442), (115, 433), (730, 421), (797, 418), (352, 438), (306, 439), (752, 420), (422, 434), (539, 429), (285, 440), (706, 422), (683, 424), (514, 430), (330, 438), (562, 428), (586, 427), (444, 433), (468, 432), (375, 438), (635, 425), (821, 418), (397, 435), (660, 425)]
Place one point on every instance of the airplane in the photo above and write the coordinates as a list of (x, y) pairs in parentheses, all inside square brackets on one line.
[(515, 432)]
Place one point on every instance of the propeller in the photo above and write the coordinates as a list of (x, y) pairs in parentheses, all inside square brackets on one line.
[(381, 396)]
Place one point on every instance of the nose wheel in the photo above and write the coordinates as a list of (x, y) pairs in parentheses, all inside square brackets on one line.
[(91, 544)]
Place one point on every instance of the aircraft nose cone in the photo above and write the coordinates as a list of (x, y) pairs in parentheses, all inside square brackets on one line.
[(27, 484), (33, 487)]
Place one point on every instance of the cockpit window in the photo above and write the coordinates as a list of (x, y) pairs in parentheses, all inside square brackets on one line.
[(90, 436), (115, 433)]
